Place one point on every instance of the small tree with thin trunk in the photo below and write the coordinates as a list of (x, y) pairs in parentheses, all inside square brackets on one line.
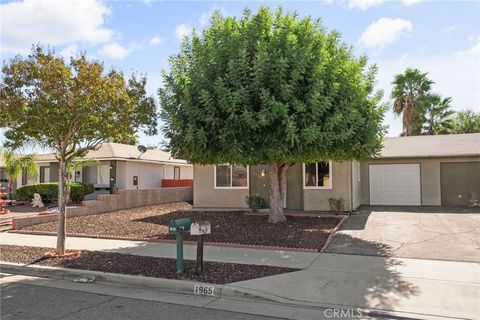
[(71, 107), (269, 88)]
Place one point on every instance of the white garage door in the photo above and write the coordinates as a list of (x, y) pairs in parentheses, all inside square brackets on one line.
[(395, 184)]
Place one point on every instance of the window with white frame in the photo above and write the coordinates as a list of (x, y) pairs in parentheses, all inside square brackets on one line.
[(317, 175), (100, 175), (176, 173), (231, 176)]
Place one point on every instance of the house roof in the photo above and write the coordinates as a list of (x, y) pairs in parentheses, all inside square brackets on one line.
[(118, 151), (452, 145)]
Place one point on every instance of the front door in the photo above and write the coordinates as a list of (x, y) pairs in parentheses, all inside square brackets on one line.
[(259, 184), (295, 187)]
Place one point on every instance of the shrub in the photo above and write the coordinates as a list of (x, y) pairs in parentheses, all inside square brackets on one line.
[(255, 202), (49, 191), (337, 205)]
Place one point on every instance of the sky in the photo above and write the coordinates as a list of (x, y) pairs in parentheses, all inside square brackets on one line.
[(439, 37)]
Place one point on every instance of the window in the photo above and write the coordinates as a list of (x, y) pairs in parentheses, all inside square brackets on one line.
[(317, 175), (44, 174), (231, 176), (3, 176), (176, 173), (103, 174)]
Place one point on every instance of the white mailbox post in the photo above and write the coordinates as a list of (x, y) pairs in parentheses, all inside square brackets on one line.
[(200, 229)]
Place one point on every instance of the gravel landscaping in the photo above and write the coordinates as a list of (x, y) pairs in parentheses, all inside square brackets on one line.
[(214, 272), (227, 227)]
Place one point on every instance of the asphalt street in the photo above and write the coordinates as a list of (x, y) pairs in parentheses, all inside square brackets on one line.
[(29, 297), (25, 301)]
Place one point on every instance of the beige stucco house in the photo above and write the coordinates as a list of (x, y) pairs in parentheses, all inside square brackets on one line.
[(121, 165), (441, 170)]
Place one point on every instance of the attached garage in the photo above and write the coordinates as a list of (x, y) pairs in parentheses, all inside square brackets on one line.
[(442, 170), (460, 183), (395, 184)]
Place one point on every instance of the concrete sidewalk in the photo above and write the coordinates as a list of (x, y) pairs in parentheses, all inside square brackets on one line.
[(280, 258), (422, 288), (409, 287)]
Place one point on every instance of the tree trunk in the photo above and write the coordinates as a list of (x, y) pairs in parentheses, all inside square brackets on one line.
[(62, 205), (276, 172)]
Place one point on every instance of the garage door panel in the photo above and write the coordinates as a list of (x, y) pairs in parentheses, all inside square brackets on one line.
[(395, 184), (460, 183)]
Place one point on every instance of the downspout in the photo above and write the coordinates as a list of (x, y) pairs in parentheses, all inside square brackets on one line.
[(351, 186)]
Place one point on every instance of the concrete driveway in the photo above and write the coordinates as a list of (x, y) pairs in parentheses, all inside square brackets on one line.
[(411, 232)]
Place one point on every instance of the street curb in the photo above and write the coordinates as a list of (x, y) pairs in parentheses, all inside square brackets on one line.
[(168, 285), (186, 287), (231, 290)]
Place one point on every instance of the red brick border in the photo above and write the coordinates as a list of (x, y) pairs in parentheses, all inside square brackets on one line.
[(332, 234)]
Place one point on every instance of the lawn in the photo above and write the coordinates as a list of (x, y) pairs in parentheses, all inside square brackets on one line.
[(151, 223)]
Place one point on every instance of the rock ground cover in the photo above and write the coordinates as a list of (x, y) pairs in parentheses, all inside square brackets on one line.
[(151, 223), (214, 272)]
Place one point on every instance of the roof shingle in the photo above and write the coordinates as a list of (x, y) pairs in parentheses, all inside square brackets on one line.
[(432, 146)]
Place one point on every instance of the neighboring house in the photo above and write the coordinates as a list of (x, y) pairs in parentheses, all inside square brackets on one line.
[(442, 170), (121, 165)]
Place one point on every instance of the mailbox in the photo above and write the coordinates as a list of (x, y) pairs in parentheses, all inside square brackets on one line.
[(179, 225), (200, 228)]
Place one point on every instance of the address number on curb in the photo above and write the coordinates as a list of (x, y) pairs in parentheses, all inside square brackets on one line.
[(207, 290)]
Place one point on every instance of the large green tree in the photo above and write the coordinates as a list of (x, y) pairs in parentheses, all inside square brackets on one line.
[(409, 88), (71, 107), (435, 115), (269, 88), (466, 121)]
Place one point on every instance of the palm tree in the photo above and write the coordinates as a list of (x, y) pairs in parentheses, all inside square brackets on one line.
[(409, 88), (436, 115), (16, 164)]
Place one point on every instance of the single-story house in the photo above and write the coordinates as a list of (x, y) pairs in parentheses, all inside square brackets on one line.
[(442, 170), (121, 165)]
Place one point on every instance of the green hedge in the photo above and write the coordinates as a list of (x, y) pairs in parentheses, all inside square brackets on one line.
[(49, 191)]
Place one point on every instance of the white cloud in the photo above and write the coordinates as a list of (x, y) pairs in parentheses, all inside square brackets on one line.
[(70, 50), (455, 75), (363, 4), (384, 31), (475, 50), (157, 40), (115, 51), (52, 22), (411, 2), (182, 30), (449, 30)]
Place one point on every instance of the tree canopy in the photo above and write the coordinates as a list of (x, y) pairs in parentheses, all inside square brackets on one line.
[(435, 115), (269, 87), (51, 101), (466, 121), (409, 89)]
